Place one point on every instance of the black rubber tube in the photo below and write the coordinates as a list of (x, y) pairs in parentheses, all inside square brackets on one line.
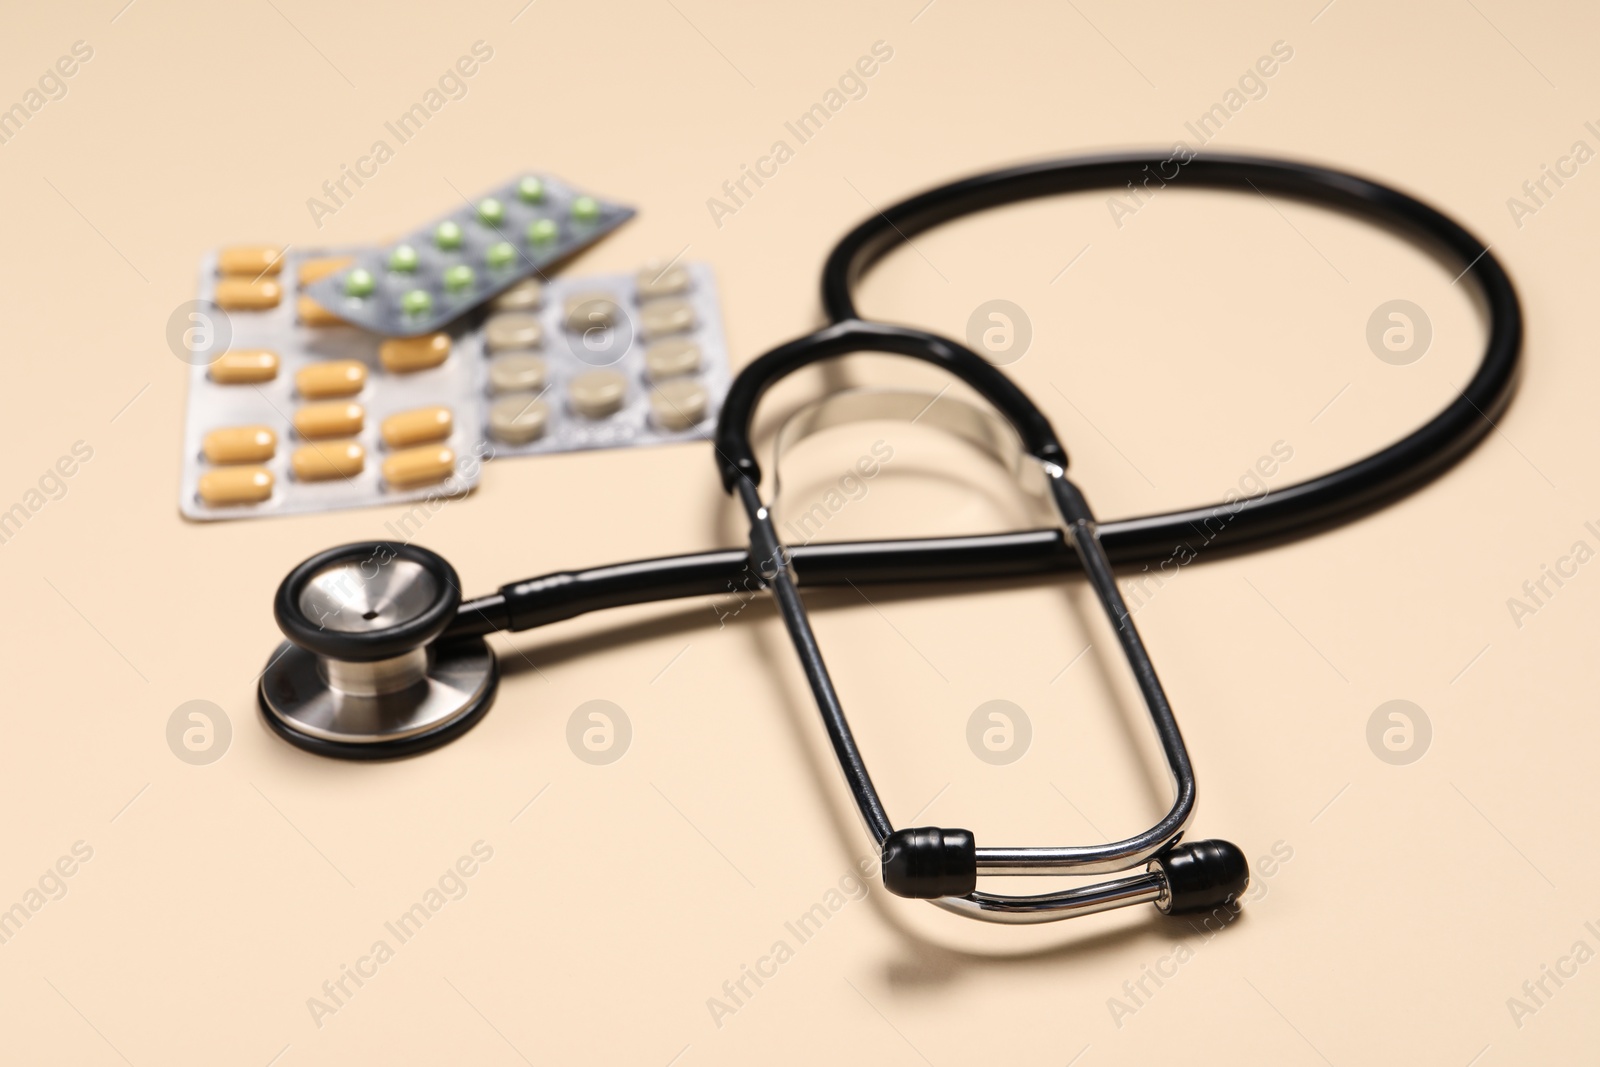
[(727, 574), (1176, 536), (1296, 509)]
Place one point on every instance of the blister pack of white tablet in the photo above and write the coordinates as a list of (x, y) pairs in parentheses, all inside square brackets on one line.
[(604, 361)]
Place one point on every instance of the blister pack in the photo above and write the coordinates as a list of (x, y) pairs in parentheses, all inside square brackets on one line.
[(437, 273), (604, 362), (294, 410)]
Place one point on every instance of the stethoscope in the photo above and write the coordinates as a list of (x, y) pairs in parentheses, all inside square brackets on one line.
[(384, 658)]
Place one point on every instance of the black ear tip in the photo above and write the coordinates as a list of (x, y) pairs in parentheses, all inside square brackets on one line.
[(1202, 876), (927, 862)]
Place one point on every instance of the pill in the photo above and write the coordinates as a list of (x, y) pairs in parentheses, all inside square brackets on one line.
[(419, 466), (359, 282), (251, 260), (448, 235), (335, 418), (245, 366), (500, 254), (341, 377), (314, 270), (672, 357), (458, 277), (530, 190), (418, 426), (662, 279), (586, 209), (312, 313), (518, 419), (235, 485), (240, 444), (661, 317), (511, 330), (404, 354), (247, 294), (491, 212), (678, 405), (330, 459), (416, 302), (598, 393), (516, 372), (524, 296), (585, 311), (542, 231), (403, 259)]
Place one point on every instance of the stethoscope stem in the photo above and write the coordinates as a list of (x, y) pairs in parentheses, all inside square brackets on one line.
[(729, 574)]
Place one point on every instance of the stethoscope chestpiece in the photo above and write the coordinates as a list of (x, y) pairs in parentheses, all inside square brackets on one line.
[(364, 674)]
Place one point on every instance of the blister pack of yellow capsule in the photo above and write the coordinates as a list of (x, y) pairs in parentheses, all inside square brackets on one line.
[(606, 361), (291, 409)]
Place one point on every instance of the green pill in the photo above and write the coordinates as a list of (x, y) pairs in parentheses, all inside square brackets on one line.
[(491, 212), (448, 235), (416, 302), (530, 190), (542, 231), (403, 258), (586, 209), (458, 277), (359, 282), (500, 254)]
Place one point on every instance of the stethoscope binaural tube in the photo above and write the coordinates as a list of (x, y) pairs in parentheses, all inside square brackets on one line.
[(943, 864)]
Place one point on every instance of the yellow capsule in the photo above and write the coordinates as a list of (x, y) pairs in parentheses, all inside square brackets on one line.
[(418, 466), (247, 294), (341, 377), (336, 418), (245, 366), (240, 444), (250, 260), (331, 459), (417, 427), (314, 270), (403, 354), (235, 485), (312, 313)]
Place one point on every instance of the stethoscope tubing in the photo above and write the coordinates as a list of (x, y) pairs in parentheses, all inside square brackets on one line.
[(1330, 498), (1220, 529)]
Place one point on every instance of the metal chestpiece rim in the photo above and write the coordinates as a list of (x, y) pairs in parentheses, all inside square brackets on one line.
[(363, 674)]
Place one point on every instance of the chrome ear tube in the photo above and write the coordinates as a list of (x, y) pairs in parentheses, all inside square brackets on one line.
[(943, 864)]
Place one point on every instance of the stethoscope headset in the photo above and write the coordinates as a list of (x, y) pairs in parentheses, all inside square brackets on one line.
[(385, 659)]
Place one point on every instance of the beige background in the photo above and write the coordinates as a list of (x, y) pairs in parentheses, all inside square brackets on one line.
[(1173, 353)]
